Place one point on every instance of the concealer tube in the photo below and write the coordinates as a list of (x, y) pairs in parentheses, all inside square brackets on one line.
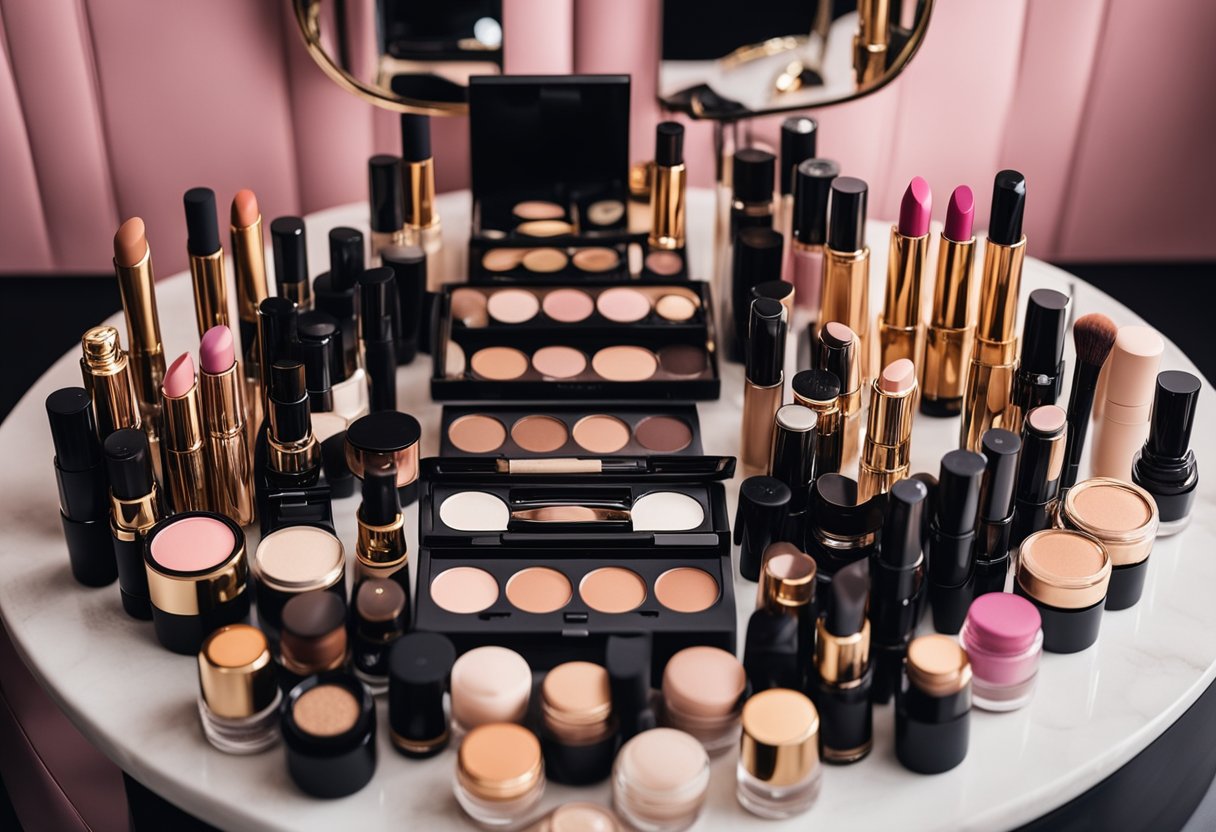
[(249, 267), (106, 371), (888, 444), (185, 451), (230, 463), (206, 259), (989, 389), (763, 384), (846, 268), (951, 330), (137, 285), (668, 188), (1122, 428), (836, 351), (900, 332), (134, 509), (290, 248)]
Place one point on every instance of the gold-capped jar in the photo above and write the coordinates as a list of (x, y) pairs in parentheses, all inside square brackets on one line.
[(239, 696), (779, 773), (1124, 518), (500, 774)]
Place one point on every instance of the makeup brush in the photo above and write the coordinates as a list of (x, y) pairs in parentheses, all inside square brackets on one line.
[(1093, 336)]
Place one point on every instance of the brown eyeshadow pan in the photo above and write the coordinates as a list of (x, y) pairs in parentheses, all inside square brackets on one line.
[(683, 360), (545, 260), (499, 363), (539, 434), (477, 434), (686, 589), (663, 434)]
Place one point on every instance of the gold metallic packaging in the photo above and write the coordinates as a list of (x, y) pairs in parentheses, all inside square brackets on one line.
[(230, 468), (210, 290), (185, 452), (951, 330), (252, 287), (107, 376), (137, 286), (846, 299), (900, 331), (888, 444)]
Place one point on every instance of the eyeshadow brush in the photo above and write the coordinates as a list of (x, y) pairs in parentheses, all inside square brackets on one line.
[(1093, 336)]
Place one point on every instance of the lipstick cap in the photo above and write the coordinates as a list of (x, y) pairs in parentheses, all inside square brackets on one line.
[(627, 659), (320, 350), (1043, 333), (386, 194), (902, 534), (764, 504), (958, 492), (1000, 449), (378, 309), (278, 324), (129, 464), (202, 227), (73, 429), (1008, 205), (1169, 433), (812, 186), (420, 667), (290, 249), (415, 137), (752, 175), (669, 144), (765, 342), (847, 214), (757, 256), (345, 258), (409, 271), (778, 290), (815, 386), (793, 455), (799, 138)]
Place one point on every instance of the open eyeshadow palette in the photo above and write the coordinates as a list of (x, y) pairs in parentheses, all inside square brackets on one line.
[(598, 340), (552, 568), (538, 261), (527, 432)]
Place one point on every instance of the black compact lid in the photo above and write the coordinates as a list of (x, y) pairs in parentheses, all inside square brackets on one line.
[(752, 175), (958, 492), (384, 432), (1043, 332), (834, 507), (902, 530), (385, 193), (129, 463), (377, 304), (73, 430), (202, 227), (812, 187), (1173, 417), (799, 139), (847, 214), (345, 257), (669, 144), (419, 669), (290, 250), (1008, 205), (816, 385), (1000, 449), (766, 330)]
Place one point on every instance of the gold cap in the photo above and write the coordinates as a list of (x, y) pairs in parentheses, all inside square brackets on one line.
[(787, 581), (101, 346), (1064, 569), (780, 742), (235, 672), (577, 702), (842, 660), (500, 761), (1121, 515), (937, 666)]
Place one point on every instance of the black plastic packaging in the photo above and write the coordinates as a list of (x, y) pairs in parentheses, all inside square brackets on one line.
[(753, 178), (627, 658), (380, 616), (952, 539), (289, 247), (1067, 630), (839, 531), (847, 214), (296, 493), (813, 185), (320, 349), (338, 476), (1166, 467), (378, 335), (420, 669), (793, 462), (845, 674), (336, 765), (386, 194), (756, 258), (202, 227), (764, 504), (669, 144), (771, 654), (897, 576), (134, 492), (1040, 471), (334, 290), (932, 732), (1008, 206), (1040, 372), (799, 141), (278, 336), (409, 267), (992, 535)]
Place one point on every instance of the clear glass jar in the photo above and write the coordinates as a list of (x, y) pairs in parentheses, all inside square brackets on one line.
[(660, 780), (776, 802), (1003, 637), (500, 774), (778, 772), (703, 691), (244, 735)]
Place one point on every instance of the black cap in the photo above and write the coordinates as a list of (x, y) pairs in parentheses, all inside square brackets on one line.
[(777, 290), (129, 463), (419, 669), (812, 186), (320, 349), (627, 660), (765, 342), (202, 227), (378, 305), (409, 271), (1043, 333), (838, 357), (816, 385), (1000, 449), (846, 604), (345, 257), (847, 214), (386, 193), (278, 323), (73, 429), (381, 608), (958, 492), (669, 144), (338, 476), (381, 502), (752, 175), (764, 504), (1173, 417), (290, 251), (799, 137), (902, 530), (287, 381), (835, 510), (415, 137), (930, 482), (757, 257), (793, 456), (1008, 205)]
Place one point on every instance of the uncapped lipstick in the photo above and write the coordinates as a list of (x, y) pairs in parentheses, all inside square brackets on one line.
[(185, 451), (951, 546), (206, 259), (951, 330), (230, 464), (994, 531), (900, 331), (290, 248), (137, 285), (888, 444), (1041, 367), (249, 266)]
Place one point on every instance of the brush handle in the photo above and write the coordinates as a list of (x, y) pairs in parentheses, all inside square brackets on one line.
[(1080, 405)]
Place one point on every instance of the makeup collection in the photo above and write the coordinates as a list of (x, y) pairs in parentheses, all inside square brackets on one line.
[(575, 613)]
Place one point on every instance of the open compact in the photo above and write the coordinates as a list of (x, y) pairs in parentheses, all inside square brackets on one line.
[(552, 568), (533, 341)]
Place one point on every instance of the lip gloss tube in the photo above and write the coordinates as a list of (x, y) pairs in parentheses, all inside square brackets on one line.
[(134, 510), (230, 468), (185, 451), (888, 444)]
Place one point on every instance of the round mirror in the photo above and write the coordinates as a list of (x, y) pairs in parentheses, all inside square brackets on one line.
[(721, 63)]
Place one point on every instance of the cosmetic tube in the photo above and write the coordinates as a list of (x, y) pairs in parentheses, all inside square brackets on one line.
[(1124, 518), (1040, 372), (799, 142), (994, 531), (819, 390), (137, 286), (888, 443), (1122, 427), (329, 732), (420, 668), (239, 698), (380, 548), (290, 489), (378, 328), (381, 616), (186, 483), (627, 658), (387, 204), (106, 371), (841, 529), (951, 546), (897, 584), (1040, 468), (291, 561), (660, 781), (756, 260), (780, 644), (314, 637), (845, 674), (290, 249), (951, 330), (669, 183), (837, 350), (410, 270), (1166, 466), (900, 331), (500, 775), (989, 387), (489, 685), (206, 259), (933, 711), (320, 350), (578, 732), (84, 506), (793, 462), (334, 290), (809, 230), (703, 693), (1065, 574), (778, 775), (134, 509), (845, 293), (278, 340), (764, 504), (230, 468), (249, 271), (763, 383), (1003, 637), (751, 206)]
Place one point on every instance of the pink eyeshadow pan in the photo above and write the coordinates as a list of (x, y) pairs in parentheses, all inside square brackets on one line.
[(192, 544), (568, 305)]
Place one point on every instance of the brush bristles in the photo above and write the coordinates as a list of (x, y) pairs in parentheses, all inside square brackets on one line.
[(1093, 335)]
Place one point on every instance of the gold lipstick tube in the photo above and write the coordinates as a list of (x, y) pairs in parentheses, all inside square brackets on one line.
[(667, 207), (422, 226), (951, 330), (296, 457), (380, 551), (185, 453), (871, 41), (137, 286), (106, 371), (249, 263), (230, 464), (986, 397), (888, 444), (828, 433), (900, 333), (846, 298), (210, 290)]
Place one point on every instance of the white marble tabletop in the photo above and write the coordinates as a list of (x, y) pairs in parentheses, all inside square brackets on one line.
[(1092, 713)]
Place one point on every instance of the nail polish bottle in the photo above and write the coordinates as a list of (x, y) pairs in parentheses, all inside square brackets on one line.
[(1166, 466)]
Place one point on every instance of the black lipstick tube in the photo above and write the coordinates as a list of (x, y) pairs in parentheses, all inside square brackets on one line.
[(1040, 471), (952, 539), (993, 533), (135, 509), (1041, 368), (897, 579), (378, 335)]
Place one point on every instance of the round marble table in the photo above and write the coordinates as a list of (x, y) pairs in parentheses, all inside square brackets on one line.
[(1093, 712)]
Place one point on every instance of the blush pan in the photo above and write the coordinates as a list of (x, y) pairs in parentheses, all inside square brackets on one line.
[(512, 306), (192, 544), (569, 306), (623, 305), (559, 362), (625, 363)]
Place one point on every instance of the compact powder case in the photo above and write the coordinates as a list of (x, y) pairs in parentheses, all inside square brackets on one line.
[(551, 566), (595, 340), (569, 431)]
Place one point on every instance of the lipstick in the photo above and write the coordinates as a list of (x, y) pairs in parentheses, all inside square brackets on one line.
[(381, 550), (1166, 467), (206, 259), (819, 390), (137, 285), (897, 574), (1122, 427), (809, 230), (887, 450), (334, 290), (762, 386), (799, 142), (846, 268), (951, 330), (993, 534), (378, 330), (900, 331), (845, 674), (107, 376), (277, 338), (421, 219), (837, 353), (290, 249), (668, 188), (185, 454), (230, 464), (1040, 470), (952, 539), (1041, 368), (989, 387), (134, 509), (249, 264), (387, 204), (757, 260)]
